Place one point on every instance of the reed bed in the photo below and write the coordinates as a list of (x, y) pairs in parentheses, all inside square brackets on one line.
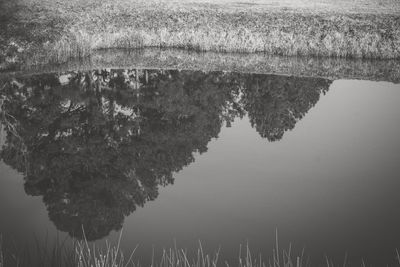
[(286, 34), (56, 31)]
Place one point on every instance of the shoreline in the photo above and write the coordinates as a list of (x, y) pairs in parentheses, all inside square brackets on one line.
[(46, 32), (256, 63)]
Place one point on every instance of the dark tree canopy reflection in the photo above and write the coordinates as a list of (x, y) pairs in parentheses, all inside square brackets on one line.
[(98, 144), (275, 104)]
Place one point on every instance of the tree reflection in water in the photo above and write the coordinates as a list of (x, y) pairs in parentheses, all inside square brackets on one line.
[(275, 103), (98, 144)]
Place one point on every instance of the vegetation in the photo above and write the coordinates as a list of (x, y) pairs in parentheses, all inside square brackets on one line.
[(152, 58), (66, 29), (178, 257), (24, 29), (82, 254)]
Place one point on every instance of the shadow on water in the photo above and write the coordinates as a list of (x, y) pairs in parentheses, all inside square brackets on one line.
[(98, 144)]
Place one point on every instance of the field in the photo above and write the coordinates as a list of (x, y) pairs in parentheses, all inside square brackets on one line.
[(55, 31), (342, 6)]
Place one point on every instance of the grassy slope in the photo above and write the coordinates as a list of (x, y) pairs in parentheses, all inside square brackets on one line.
[(341, 28), (25, 27)]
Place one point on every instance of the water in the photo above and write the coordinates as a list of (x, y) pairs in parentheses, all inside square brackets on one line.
[(181, 156)]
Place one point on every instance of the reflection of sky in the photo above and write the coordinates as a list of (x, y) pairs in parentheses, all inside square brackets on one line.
[(330, 184)]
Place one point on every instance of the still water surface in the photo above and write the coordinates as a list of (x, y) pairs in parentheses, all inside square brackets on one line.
[(225, 158)]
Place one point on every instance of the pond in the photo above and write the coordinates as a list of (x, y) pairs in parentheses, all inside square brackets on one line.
[(230, 159)]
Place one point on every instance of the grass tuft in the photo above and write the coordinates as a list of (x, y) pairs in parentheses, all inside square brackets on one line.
[(85, 256)]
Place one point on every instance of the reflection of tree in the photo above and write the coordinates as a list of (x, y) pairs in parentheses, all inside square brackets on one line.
[(96, 145), (275, 103)]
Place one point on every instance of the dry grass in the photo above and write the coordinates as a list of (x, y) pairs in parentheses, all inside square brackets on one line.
[(178, 257), (124, 25), (85, 255), (61, 30), (304, 6), (337, 6)]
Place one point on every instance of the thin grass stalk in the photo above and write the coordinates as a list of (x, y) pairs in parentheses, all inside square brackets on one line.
[(327, 261), (187, 264), (216, 257), (345, 259), (277, 245), (248, 256), (202, 254), (240, 255), (175, 246), (152, 257), (1, 252)]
